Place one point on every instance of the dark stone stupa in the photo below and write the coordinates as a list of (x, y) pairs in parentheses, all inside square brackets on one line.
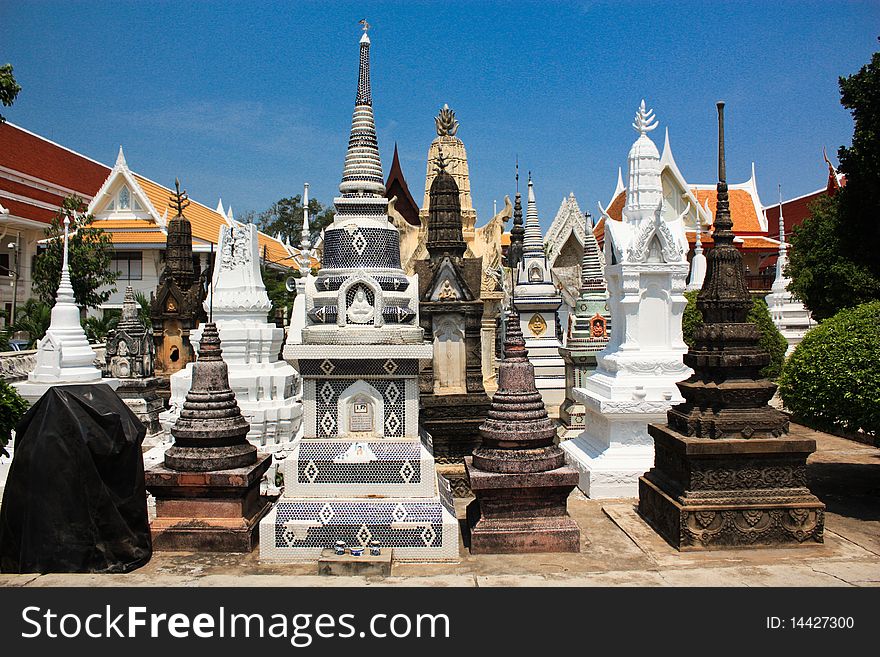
[(518, 475), (176, 307), (129, 357), (726, 474), (208, 490), (451, 392), (518, 231)]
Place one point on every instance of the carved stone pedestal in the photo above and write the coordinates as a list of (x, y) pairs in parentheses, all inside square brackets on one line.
[(730, 493), (215, 511), (521, 512), (142, 397)]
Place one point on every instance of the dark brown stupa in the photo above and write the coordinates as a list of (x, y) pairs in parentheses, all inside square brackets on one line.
[(453, 399), (176, 306), (208, 489), (518, 475), (726, 474), (517, 232)]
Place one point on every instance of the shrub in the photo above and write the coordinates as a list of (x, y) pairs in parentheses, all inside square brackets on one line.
[(832, 380), (12, 408), (771, 339)]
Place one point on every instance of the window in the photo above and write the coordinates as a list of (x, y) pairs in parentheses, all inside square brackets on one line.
[(4, 265), (129, 265), (124, 199)]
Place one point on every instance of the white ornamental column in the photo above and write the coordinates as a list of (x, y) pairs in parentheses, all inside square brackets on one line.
[(634, 382)]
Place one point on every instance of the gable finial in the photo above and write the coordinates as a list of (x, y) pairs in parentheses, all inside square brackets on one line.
[(365, 25), (645, 120)]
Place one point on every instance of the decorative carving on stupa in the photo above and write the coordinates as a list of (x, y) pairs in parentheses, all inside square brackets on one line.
[(176, 306), (518, 474), (726, 474), (129, 357), (129, 348), (453, 397)]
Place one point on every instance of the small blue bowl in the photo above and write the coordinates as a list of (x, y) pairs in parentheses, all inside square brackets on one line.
[(357, 551)]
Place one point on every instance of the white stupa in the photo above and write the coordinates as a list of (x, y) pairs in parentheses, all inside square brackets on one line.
[(698, 264), (64, 355), (537, 301), (266, 388), (635, 377), (790, 315)]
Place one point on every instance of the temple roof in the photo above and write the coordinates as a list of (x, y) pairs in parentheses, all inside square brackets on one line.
[(396, 185)]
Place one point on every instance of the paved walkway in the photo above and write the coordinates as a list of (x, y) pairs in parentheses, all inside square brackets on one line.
[(618, 549)]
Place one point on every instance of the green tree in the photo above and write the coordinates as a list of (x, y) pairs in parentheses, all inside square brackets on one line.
[(285, 218), (823, 274), (90, 254), (860, 198), (33, 318), (9, 88), (12, 408), (276, 287), (98, 328)]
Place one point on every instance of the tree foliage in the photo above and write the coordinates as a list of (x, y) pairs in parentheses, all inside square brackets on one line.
[(285, 219), (12, 409), (276, 288), (9, 88), (832, 381), (823, 274), (90, 254), (33, 317), (771, 339), (860, 198)]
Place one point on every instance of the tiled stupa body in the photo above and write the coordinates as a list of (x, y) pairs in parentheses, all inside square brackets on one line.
[(363, 471)]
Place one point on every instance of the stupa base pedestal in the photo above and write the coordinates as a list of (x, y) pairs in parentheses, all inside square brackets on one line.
[(214, 511), (141, 396), (730, 493), (453, 422), (610, 471), (521, 513)]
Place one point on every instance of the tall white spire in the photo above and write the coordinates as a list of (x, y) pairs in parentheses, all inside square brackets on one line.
[(65, 289), (362, 175), (532, 241), (698, 262)]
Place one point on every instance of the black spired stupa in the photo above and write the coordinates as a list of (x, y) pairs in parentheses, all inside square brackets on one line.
[(451, 391), (726, 474), (518, 231), (208, 489), (518, 474)]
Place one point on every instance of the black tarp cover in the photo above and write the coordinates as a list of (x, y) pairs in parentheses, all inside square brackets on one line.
[(75, 499)]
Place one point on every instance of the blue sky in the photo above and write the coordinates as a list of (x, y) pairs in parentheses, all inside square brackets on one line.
[(249, 100)]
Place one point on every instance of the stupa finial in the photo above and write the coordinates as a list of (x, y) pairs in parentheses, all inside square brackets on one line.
[(446, 123), (179, 200), (645, 120)]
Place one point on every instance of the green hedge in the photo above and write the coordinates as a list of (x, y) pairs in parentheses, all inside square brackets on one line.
[(12, 408), (832, 380), (771, 339)]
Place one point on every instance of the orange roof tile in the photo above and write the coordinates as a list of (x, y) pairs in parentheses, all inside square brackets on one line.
[(505, 239), (126, 224), (615, 210), (137, 237), (742, 209)]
